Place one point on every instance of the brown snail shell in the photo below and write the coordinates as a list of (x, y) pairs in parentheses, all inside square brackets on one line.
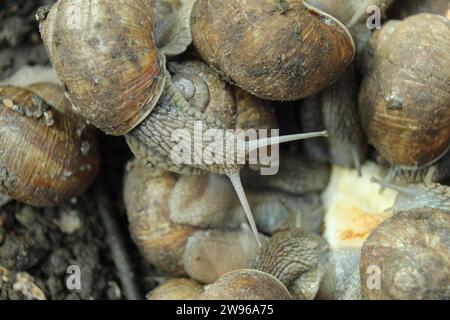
[(146, 193), (402, 9), (172, 25), (58, 159), (246, 284), (193, 93), (203, 201), (404, 100), (183, 249), (212, 253), (53, 95), (176, 289), (105, 54), (277, 211), (276, 50), (350, 12), (412, 253)]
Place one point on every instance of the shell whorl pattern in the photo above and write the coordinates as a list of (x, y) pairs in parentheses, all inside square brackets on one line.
[(152, 139), (104, 53)]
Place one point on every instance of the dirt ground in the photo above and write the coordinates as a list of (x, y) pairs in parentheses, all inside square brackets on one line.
[(38, 245)]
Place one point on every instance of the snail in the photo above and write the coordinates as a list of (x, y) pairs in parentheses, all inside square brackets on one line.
[(404, 100), (294, 257), (350, 12), (338, 105), (355, 15), (408, 257), (276, 50), (176, 289), (246, 284), (297, 174), (172, 25), (276, 211), (432, 195), (405, 8), (123, 87), (179, 249), (354, 207), (59, 154)]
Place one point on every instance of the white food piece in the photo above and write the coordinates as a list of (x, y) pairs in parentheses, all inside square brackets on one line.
[(354, 206)]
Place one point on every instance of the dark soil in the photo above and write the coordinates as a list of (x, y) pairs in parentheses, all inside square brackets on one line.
[(38, 245), (20, 42)]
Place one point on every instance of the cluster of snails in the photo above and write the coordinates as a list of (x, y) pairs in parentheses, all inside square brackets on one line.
[(145, 68)]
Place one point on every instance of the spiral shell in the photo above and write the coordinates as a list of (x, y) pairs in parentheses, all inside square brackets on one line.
[(104, 53), (276, 50)]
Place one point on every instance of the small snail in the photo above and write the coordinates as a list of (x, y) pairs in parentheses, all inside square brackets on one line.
[(410, 255), (294, 257), (59, 155), (123, 87), (179, 249), (176, 289), (338, 105), (404, 100), (246, 284), (276, 50), (350, 12)]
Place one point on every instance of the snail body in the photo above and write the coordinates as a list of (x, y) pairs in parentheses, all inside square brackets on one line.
[(338, 113), (404, 103), (232, 36), (59, 156), (184, 249), (294, 257)]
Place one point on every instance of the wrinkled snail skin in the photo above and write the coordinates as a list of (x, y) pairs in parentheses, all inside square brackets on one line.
[(255, 44), (203, 254), (194, 93), (347, 141), (423, 195), (339, 115), (46, 158), (107, 59), (412, 253), (297, 174), (404, 101), (172, 25), (293, 257), (246, 284)]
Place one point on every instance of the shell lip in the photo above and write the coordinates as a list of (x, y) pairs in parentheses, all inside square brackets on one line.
[(423, 166), (339, 23)]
